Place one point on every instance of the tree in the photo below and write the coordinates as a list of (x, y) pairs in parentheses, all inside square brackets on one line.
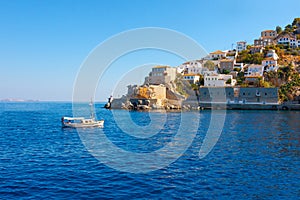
[(278, 29), (296, 21), (201, 80), (266, 84), (272, 78), (288, 90), (194, 86), (257, 58), (240, 78), (288, 28), (228, 81), (225, 71), (209, 65)]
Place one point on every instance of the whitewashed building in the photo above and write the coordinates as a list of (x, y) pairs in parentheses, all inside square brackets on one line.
[(218, 80), (192, 78), (240, 46), (217, 55), (270, 64), (255, 71), (287, 39), (191, 67), (272, 54)]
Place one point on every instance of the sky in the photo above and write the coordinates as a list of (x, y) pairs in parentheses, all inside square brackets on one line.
[(43, 44)]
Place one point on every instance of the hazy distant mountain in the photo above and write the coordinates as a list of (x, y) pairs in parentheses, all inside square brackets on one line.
[(17, 100)]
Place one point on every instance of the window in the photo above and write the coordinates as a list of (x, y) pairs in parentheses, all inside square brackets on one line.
[(266, 94), (244, 93)]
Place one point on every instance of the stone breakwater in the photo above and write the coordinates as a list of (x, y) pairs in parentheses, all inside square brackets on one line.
[(193, 104), (207, 98)]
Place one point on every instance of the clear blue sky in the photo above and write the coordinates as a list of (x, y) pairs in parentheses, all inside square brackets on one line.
[(43, 43)]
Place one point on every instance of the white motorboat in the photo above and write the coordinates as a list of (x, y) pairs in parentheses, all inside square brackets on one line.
[(81, 122)]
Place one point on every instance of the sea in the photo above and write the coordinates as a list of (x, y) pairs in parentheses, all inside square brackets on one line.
[(148, 155)]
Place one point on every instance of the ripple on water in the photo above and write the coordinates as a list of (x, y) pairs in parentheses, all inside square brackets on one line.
[(257, 156)]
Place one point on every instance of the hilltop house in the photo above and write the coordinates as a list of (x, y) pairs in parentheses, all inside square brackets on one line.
[(217, 55), (268, 34), (240, 46), (161, 75), (267, 38), (287, 39)]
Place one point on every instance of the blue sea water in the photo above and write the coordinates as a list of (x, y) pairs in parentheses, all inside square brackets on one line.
[(256, 157)]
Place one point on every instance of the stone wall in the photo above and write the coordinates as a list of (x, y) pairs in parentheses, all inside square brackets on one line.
[(216, 94), (245, 95), (258, 95)]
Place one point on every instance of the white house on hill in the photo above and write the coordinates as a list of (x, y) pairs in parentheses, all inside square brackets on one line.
[(271, 53), (240, 46), (270, 64), (217, 55), (255, 70), (218, 80), (287, 39), (254, 73), (190, 67), (192, 78)]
